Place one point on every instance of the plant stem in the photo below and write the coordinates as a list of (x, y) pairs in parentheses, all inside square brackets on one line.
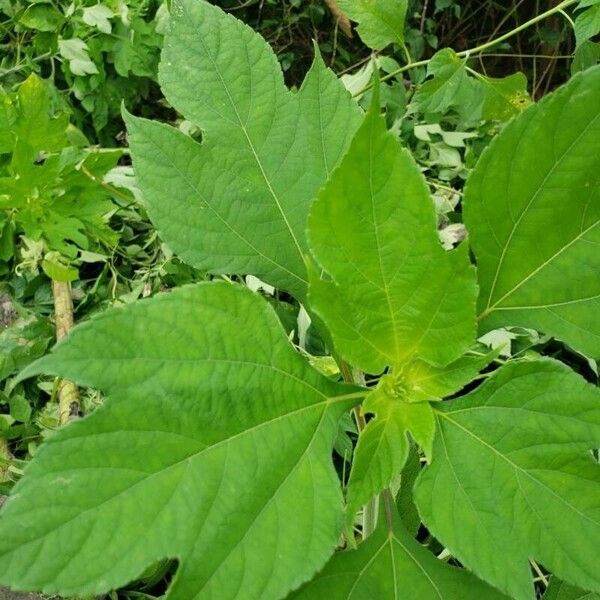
[(567, 17), (559, 8), (4, 458), (388, 505), (20, 67), (68, 394), (109, 188), (370, 509)]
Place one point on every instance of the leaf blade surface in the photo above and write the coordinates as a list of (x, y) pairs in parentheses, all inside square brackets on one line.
[(394, 292), (238, 202), (214, 448), (390, 564), (532, 207), (380, 23), (512, 461)]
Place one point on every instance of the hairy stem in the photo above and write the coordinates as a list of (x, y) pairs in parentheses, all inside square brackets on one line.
[(388, 504), (68, 394)]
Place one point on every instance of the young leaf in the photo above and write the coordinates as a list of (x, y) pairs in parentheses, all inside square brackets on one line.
[(33, 126), (380, 23), (395, 291), (214, 449), (532, 207), (401, 406), (42, 16), (427, 382), (238, 202), (98, 16), (390, 564), (76, 51), (449, 87), (511, 462), (383, 446)]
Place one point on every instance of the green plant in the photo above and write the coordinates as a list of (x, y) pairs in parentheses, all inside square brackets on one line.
[(50, 195), (215, 445), (96, 53), (69, 227)]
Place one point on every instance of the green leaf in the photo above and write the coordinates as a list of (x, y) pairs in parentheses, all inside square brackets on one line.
[(400, 405), (532, 208), (214, 449), (389, 565), (238, 202), (586, 55), (383, 446), (20, 409), (423, 381), (76, 51), (42, 16), (98, 16), (55, 268), (504, 97), (558, 590), (586, 3), (34, 126), (450, 85), (136, 49), (395, 293), (7, 240), (512, 477), (587, 24), (405, 503), (381, 22), (8, 116)]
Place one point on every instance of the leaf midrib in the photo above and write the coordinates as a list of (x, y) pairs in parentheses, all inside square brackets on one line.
[(324, 404), (539, 268), (251, 147), (513, 465), (196, 191)]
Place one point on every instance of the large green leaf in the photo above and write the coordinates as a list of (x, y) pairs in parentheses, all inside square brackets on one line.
[(389, 565), (238, 202), (214, 449), (381, 22), (395, 292), (532, 207), (558, 590), (512, 477)]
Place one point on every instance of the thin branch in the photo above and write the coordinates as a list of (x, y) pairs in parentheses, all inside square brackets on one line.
[(478, 49)]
